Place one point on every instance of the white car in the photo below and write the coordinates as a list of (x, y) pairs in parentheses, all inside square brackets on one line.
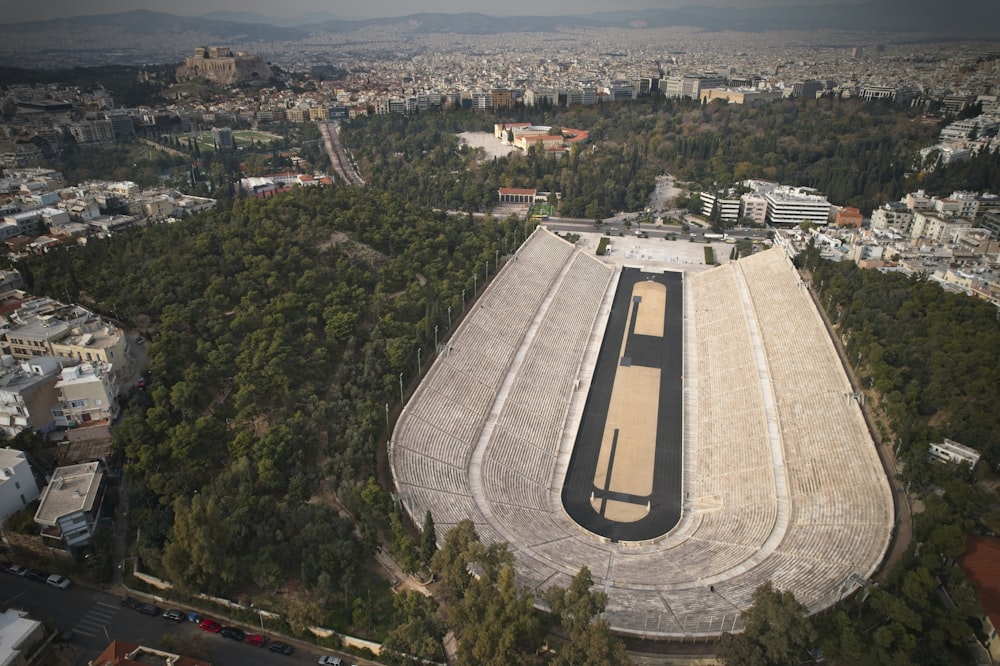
[(327, 660), (55, 580)]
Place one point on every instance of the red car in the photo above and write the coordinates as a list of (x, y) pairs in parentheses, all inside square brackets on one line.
[(209, 624), (255, 639)]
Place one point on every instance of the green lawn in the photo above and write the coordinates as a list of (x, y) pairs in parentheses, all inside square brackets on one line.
[(541, 209), (242, 138)]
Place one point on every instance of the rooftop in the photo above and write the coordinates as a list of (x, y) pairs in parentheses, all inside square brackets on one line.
[(73, 488), (120, 653), (981, 563)]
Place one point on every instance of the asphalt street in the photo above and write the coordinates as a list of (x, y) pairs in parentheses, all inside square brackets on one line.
[(96, 617)]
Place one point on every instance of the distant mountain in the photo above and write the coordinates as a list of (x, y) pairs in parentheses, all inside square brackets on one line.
[(958, 17), (966, 18), (146, 22), (309, 19)]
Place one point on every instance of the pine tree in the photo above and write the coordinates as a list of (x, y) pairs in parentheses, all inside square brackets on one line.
[(428, 540)]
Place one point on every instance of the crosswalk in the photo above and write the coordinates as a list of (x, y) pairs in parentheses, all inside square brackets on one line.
[(96, 620)]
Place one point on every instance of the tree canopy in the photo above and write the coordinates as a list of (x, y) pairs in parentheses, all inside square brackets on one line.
[(776, 632)]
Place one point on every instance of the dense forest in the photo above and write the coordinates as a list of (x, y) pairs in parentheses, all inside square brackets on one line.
[(281, 330), (856, 153)]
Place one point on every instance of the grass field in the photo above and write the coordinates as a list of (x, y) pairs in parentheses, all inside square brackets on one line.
[(241, 137), (541, 210)]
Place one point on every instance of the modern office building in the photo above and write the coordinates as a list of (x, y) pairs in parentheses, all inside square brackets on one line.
[(789, 206), (729, 207)]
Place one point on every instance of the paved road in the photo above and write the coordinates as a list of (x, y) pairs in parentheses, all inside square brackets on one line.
[(96, 617)]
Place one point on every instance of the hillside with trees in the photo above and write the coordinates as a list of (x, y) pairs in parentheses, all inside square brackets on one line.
[(857, 153), (280, 331)]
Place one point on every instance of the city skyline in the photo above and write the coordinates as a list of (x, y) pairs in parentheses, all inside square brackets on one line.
[(59, 9)]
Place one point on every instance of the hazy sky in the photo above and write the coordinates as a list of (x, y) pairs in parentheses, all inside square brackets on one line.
[(22, 10)]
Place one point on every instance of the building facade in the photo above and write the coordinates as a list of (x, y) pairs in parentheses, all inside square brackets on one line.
[(18, 488), (27, 394), (789, 206), (71, 504), (86, 393)]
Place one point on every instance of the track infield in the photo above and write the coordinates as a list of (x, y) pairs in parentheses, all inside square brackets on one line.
[(624, 478)]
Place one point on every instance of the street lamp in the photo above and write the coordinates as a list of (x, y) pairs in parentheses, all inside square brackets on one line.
[(260, 615), (435, 338), (419, 349), (387, 417), (449, 317), (463, 300), (401, 388)]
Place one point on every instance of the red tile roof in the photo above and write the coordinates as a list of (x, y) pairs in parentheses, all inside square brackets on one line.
[(981, 563)]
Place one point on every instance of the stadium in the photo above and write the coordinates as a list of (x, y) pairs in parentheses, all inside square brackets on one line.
[(686, 432)]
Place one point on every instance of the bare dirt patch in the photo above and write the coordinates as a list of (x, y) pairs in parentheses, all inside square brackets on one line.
[(490, 145), (360, 252)]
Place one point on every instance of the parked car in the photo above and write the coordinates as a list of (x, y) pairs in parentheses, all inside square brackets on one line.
[(283, 648), (211, 625), (328, 660), (174, 615), (55, 580), (36, 575), (194, 617), (149, 609), (17, 569), (255, 639), (235, 633), (129, 602)]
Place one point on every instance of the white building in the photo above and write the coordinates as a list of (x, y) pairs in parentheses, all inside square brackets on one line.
[(790, 206), (729, 208), (20, 637), (892, 215), (937, 228), (955, 453), (71, 503), (17, 484), (960, 204)]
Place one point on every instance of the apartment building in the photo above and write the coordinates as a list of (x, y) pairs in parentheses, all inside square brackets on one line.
[(27, 394), (70, 505), (753, 207), (18, 488), (937, 228), (86, 393), (893, 215), (45, 327)]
